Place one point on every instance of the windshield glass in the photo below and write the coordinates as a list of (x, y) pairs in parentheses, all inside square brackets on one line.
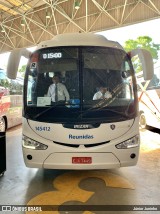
[(80, 84)]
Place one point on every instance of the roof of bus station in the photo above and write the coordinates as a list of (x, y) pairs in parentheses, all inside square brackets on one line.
[(25, 23)]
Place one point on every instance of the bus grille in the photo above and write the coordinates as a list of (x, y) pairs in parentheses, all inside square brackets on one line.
[(78, 145)]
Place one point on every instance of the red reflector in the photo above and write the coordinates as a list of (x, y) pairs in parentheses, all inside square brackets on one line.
[(81, 160)]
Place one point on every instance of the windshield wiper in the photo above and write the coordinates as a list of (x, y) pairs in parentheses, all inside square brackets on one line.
[(101, 106), (107, 101)]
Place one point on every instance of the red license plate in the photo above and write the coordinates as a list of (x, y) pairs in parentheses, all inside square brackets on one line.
[(81, 160)]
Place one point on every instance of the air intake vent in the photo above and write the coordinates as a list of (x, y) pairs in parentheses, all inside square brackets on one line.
[(68, 145), (96, 144), (86, 145)]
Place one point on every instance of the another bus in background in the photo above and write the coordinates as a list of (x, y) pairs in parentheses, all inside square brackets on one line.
[(149, 101), (10, 101)]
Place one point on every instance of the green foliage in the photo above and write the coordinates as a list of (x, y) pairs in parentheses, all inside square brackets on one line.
[(144, 42), (5, 83), (22, 70)]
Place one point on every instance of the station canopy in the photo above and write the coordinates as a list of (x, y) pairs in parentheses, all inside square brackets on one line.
[(25, 23)]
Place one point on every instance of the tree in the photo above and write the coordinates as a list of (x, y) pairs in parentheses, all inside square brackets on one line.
[(144, 42), (22, 70)]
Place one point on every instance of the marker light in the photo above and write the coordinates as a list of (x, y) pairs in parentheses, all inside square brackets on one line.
[(34, 57), (32, 144), (130, 143)]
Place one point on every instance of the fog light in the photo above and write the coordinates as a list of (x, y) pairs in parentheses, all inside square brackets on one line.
[(29, 157), (133, 155), (130, 143), (32, 144)]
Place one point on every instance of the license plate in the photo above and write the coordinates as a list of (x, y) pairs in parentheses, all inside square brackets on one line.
[(81, 160)]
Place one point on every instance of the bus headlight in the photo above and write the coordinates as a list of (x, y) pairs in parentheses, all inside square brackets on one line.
[(130, 143), (32, 144)]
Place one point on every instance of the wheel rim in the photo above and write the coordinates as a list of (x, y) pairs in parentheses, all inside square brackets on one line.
[(2, 124)]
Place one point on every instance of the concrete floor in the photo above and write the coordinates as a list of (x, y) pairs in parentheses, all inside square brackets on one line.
[(138, 185)]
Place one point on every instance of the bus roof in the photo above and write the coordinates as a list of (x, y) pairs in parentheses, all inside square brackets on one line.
[(79, 39)]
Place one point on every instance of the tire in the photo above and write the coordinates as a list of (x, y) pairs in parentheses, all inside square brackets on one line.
[(142, 121), (3, 126)]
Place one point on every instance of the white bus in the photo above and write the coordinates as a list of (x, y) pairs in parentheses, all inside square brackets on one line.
[(82, 132), (149, 101), (10, 101)]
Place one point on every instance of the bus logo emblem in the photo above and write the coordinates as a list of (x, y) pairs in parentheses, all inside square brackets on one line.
[(112, 126), (84, 126)]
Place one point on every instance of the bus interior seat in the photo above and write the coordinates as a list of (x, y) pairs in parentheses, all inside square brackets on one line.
[(42, 85), (72, 84)]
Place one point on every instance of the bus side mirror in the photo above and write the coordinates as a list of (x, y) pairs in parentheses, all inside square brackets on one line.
[(13, 61), (147, 62)]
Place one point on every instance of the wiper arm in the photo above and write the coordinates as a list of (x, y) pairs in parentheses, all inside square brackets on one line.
[(106, 101)]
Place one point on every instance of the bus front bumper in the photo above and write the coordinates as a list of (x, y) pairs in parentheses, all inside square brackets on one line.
[(76, 161)]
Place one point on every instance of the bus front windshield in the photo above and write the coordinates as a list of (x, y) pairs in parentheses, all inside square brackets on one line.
[(68, 84)]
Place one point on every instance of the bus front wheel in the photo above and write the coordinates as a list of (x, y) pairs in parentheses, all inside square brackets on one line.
[(2, 124), (142, 121)]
